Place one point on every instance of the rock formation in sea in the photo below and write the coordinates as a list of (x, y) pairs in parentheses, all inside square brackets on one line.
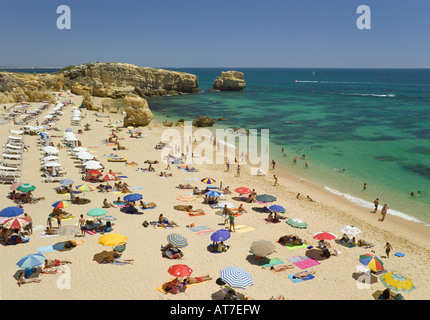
[(203, 121), (137, 111), (230, 81)]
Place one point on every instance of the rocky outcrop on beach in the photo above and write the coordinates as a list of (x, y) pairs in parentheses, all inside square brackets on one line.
[(87, 103), (117, 80), (137, 111), (203, 121), (229, 81), (27, 87)]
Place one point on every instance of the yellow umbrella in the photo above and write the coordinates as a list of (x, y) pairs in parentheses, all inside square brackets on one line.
[(113, 239), (397, 282), (186, 197)]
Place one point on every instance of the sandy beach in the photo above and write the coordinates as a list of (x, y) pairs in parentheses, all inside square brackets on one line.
[(91, 280)]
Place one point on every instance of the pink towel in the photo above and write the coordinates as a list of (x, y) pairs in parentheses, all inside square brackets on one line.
[(306, 263)]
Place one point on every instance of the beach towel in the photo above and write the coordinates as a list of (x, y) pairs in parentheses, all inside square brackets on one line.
[(45, 249), (44, 235), (199, 228), (242, 228), (270, 262), (136, 188), (295, 247), (399, 254), (196, 214), (304, 264), (191, 179), (38, 228), (205, 232), (90, 232), (309, 277)]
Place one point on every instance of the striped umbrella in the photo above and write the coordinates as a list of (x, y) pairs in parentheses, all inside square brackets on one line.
[(350, 230), (186, 197), (397, 282), (15, 223), (69, 230), (26, 187), (180, 270), (324, 235), (236, 277), (213, 193), (85, 188), (109, 177), (208, 180), (31, 260), (371, 262), (297, 223), (97, 212), (277, 208), (11, 212), (61, 204), (243, 190), (177, 240)]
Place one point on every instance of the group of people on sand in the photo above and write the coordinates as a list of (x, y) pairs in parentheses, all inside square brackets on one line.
[(23, 197), (176, 285)]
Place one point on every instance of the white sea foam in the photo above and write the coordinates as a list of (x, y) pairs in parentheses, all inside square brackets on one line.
[(389, 95), (370, 205)]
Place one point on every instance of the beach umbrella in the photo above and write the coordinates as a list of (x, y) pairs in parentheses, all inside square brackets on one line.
[(94, 166), (265, 198), (26, 187), (15, 185), (262, 247), (186, 197), (112, 239), (133, 197), (61, 204), (371, 262), (208, 180), (84, 188), (180, 270), (243, 190), (94, 172), (220, 235), (52, 164), (350, 230), (30, 261), (15, 223), (97, 212), (213, 193), (69, 230), (236, 277), (109, 177), (50, 150), (69, 130), (11, 212), (324, 235), (397, 282), (177, 240), (108, 218), (297, 223), (277, 208), (79, 149), (67, 182), (85, 156), (50, 158)]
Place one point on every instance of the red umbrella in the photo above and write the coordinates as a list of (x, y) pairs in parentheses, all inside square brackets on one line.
[(109, 177), (94, 172), (243, 190), (15, 223), (180, 270), (324, 235)]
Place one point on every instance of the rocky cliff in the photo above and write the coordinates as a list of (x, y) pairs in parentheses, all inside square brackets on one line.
[(137, 111), (230, 81)]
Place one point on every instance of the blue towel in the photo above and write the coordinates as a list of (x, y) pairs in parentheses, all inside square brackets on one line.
[(399, 254), (309, 277), (45, 249)]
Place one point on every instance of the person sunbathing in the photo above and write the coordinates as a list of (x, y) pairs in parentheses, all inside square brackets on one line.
[(197, 191), (163, 174), (363, 243), (174, 286), (303, 274), (251, 198), (23, 280), (185, 186), (171, 252), (164, 222), (281, 267), (117, 258), (226, 190), (191, 280), (241, 209), (54, 263), (107, 204), (148, 205)]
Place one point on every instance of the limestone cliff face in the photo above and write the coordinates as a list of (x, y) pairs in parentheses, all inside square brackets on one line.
[(137, 111), (116, 80), (230, 81), (28, 87)]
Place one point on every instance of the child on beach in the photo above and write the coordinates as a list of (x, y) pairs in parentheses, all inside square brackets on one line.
[(387, 248)]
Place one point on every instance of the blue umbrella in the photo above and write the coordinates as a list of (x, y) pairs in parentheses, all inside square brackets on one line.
[(31, 260), (213, 193), (177, 240), (277, 208), (220, 235), (69, 130), (133, 197), (236, 277), (67, 182), (11, 212), (43, 135)]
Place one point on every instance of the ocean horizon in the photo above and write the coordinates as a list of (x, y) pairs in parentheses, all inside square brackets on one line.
[(374, 123)]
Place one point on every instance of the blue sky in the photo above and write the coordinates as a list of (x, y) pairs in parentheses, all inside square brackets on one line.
[(217, 33)]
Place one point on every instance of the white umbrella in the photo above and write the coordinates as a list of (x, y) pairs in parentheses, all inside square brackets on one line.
[(71, 139), (52, 164), (350, 230), (79, 149), (50, 158), (222, 204), (48, 117), (93, 166), (50, 150), (85, 156)]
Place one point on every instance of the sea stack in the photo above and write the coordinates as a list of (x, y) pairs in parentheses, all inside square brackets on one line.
[(230, 81), (137, 111)]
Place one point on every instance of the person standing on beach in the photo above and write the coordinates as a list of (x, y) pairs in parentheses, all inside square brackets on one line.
[(30, 223), (227, 164), (82, 225), (276, 180), (231, 218), (376, 203), (387, 248), (384, 211), (273, 164), (238, 171)]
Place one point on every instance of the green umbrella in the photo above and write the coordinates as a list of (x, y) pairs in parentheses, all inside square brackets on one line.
[(26, 187), (97, 212), (297, 223)]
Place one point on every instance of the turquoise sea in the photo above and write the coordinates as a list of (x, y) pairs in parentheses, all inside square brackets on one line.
[(374, 123)]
